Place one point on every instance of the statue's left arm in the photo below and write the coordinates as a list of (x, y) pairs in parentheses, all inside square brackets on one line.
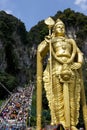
[(80, 56), (76, 57), (83, 97)]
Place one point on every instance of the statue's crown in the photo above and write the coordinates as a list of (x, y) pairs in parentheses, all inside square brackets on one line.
[(59, 22)]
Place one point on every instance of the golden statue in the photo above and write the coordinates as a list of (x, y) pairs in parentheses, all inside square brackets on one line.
[(62, 77)]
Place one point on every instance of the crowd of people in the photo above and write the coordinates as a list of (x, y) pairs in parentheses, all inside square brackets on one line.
[(15, 113)]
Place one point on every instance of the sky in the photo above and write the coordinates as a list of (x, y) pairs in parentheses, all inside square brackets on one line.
[(30, 12)]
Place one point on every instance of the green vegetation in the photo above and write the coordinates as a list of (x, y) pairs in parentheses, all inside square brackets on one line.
[(1, 102)]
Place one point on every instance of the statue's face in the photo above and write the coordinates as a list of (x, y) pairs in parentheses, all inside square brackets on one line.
[(60, 29)]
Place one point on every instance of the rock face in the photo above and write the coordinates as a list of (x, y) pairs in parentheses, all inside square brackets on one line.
[(3, 63), (14, 49)]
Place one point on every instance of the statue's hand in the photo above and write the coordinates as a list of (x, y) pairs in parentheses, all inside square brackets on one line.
[(76, 66), (66, 75), (46, 79), (48, 38)]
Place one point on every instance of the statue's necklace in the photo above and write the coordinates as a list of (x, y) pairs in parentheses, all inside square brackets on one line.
[(62, 38)]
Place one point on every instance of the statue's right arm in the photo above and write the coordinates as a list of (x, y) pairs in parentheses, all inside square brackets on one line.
[(43, 48), (41, 52)]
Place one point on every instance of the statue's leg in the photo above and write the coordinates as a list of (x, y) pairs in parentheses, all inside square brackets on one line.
[(50, 99), (49, 95), (74, 93), (72, 103), (66, 104), (58, 100)]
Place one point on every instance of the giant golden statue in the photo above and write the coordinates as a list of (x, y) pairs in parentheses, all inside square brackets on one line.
[(62, 77)]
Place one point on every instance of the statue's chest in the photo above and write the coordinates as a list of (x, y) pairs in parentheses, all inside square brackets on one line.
[(64, 45)]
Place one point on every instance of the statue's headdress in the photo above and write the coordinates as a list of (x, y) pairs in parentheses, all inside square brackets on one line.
[(59, 22)]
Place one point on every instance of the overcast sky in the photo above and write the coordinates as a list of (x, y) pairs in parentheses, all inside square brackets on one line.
[(30, 12)]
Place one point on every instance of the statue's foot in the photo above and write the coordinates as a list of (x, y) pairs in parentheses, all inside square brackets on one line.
[(73, 128)]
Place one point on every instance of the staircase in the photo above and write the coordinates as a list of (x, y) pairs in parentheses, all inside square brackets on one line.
[(16, 110)]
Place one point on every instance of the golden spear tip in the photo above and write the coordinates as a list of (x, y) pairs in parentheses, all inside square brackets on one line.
[(49, 21)]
